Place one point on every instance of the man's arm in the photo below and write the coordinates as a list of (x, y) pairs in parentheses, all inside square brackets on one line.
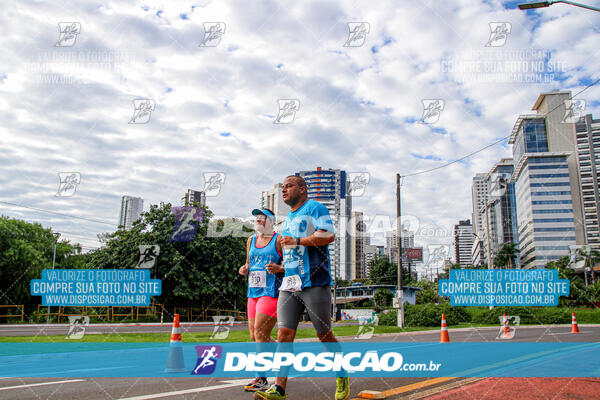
[(319, 238)]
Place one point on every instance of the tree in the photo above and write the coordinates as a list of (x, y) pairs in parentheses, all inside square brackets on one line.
[(342, 283), (200, 273), (506, 256), (384, 272), (382, 298), (577, 294), (428, 293), (25, 250)]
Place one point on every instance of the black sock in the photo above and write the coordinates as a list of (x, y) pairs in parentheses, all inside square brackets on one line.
[(280, 390)]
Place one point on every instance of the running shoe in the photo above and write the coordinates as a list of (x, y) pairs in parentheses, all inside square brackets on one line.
[(256, 385), (342, 391), (270, 394)]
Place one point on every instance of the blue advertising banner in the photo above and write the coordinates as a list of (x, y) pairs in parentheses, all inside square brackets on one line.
[(95, 287), (504, 287), (381, 359)]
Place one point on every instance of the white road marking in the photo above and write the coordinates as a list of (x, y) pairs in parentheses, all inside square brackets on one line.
[(41, 384), (227, 384), (180, 392)]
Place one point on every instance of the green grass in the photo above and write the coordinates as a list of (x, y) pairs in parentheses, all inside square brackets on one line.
[(196, 337)]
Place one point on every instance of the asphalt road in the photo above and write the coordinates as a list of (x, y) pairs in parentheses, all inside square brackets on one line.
[(60, 329), (298, 388)]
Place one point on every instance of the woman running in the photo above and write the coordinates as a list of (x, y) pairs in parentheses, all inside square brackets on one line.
[(263, 264)]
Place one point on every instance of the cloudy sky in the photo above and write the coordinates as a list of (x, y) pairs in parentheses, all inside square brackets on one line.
[(67, 102)]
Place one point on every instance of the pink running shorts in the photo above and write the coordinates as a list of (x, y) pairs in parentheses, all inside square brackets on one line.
[(265, 305)]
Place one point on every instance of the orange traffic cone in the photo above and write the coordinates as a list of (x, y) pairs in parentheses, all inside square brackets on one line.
[(175, 360), (506, 329), (444, 338), (574, 327)]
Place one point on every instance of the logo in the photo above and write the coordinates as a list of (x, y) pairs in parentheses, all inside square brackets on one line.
[(142, 108), (77, 325), (357, 34), (574, 109), (432, 109), (213, 182), (358, 183), (148, 255), (213, 31), (223, 324), (438, 253), (207, 359), (68, 183), (287, 111), (187, 220), (499, 32), (68, 33), (366, 327), (507, 331), (498, 185)]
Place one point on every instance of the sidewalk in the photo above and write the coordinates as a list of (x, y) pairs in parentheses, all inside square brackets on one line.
[(525, 388)]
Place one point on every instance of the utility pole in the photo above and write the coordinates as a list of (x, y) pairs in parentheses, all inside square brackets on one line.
[(399, 292), (56, 236), (335, 293)]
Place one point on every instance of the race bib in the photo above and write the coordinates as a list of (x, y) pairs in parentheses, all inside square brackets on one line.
[(291, 283), (257, 279)]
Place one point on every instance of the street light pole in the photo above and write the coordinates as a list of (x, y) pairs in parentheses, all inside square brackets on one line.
[(56, 237), (399, 291), (542, 4)]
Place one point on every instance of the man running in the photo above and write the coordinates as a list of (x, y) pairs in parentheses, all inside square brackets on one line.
[(263, 263), (306, 286)]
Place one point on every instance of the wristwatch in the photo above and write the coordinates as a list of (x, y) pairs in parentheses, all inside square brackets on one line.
[(297, 241)]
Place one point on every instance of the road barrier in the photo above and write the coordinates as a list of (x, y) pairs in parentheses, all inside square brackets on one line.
[(106, 313), (7, 316)]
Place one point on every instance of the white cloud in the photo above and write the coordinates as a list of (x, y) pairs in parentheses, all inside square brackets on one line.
[(354, 103)]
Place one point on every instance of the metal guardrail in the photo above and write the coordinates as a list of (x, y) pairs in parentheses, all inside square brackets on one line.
[(155, 310), (17, 306)]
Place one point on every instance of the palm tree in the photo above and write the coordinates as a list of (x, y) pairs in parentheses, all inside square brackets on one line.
[(506, 255), (591, 257)]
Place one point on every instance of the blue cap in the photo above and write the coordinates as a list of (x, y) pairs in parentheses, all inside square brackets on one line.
[(263, 211)]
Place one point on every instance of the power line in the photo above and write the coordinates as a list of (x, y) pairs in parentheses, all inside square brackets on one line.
[(57, 213), (492, 144)]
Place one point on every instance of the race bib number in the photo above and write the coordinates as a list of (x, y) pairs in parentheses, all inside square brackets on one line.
[(257, 279), (291, 283)]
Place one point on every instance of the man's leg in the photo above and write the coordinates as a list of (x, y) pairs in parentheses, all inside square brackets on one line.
[(318, 304), (289, 312), (284, 335)]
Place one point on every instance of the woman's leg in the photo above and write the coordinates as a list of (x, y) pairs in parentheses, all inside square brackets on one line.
[(251, 317), (266, 318)]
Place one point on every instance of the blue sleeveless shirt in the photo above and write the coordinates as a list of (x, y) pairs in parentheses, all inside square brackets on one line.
[(260, 281)]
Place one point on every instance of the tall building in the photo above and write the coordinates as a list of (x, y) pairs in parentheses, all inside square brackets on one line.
[(478, 253), (463, 242), (500, 211), (131, 209), (273, 200), (478, 196), (192, 197), (588, 151), (546, 178), (391, 244), (329, 187), (479, 193), (357, 234), (371, 253)]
